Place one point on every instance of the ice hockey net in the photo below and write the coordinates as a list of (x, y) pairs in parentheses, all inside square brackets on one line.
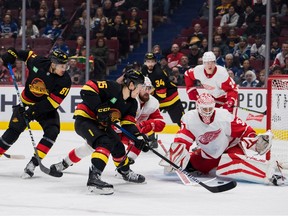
[(277, 115)]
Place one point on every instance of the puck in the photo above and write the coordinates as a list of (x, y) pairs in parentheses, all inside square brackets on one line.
[(220, 182)]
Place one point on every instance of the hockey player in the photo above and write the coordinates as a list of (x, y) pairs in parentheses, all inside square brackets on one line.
[(148, 117), (215, 80), (224, 142), (46, 86), (105, 102), (166, 92)]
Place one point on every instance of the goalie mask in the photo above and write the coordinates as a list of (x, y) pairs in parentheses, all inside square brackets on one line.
[(205, 106)]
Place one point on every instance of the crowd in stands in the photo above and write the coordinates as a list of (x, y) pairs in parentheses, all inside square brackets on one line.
[(117, 27)]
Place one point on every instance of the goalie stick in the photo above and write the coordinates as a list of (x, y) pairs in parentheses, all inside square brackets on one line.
[(243, 108), (214, 189), (42, 167), (14, 156)]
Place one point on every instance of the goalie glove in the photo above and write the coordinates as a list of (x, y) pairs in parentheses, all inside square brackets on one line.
[(261, 143), (177, 154)]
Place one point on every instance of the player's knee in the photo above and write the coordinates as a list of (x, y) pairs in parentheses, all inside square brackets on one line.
[(52, 132)]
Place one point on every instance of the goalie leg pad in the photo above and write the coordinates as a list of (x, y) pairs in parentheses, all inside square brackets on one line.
[(242, 167), (177, 154)]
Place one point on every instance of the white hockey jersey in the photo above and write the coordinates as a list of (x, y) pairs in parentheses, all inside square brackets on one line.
[(146, 109), (218, 84), (223, 132)]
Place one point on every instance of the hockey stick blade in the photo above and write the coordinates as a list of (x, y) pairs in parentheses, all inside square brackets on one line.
[(17, 157), (213, 189)]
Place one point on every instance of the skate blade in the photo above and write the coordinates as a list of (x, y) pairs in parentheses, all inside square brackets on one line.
[(103, 191), (26, 176)]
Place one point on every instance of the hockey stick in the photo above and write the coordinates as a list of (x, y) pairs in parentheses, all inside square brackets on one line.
[(243, 108), (19, 157), (42, 167), (185, 180), (214, 189)]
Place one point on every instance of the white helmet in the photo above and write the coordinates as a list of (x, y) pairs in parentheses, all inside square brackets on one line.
[(208, 56), (147, 82), (205, 106)]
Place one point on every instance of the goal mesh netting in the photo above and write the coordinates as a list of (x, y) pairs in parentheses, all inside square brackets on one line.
[(277, 115)]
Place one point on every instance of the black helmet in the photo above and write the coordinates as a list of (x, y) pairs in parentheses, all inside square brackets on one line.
[(134, 76), (58, 57), (150, 56)]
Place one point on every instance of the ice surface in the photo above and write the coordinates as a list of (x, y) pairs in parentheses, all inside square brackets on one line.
[(162, 195)]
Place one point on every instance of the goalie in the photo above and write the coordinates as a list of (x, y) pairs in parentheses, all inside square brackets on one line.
[(224, 143)]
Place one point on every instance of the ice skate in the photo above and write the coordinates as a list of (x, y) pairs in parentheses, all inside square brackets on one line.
[(130, 176), (56, 169), (96, 185), (29, 169)]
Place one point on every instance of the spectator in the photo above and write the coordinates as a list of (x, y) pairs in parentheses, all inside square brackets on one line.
[(77, 30), (246, 18), (232, 39), (164, 65), (279, 60), (184, 64), (250, 80), (279, 8), (31, 30), (204, 45), (275, 27), (219, 31), (230, 19), (108, 10), (52, 31), (55, 5), (17, 70), (83, 18), (157, 52), (230, 63), (218, 42), (259, 8), (77, 75), (222, 9), (277, 70), (243, 69), (241, 50), (60, 17), (44, 6), (285, 69), (61, 45), (134, 24), (197, 33), (176, 77), (80, 43), (194, 55), (96, 19), (4, 74), (274, 49), (255, 27), (219, 59), (258, 48), (104, 30), (204, 11), (100, 53), (262, 79), (8, 29), (175, 56), (122, 35), (41, 19), (239, 6)]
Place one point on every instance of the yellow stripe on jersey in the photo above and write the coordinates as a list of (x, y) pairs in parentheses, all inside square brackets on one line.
[(125, 163), (53, 103), (169, 103), (82, 113), (88, 88), (41, 154), (100, 156)]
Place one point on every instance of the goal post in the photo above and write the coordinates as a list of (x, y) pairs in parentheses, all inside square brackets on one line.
[(277, 115)]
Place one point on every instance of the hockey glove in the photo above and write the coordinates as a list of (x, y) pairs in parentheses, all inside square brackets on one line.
[(146, 126), (10, 56), (104, 114), (142, 142), (229, 105), (27, 113)]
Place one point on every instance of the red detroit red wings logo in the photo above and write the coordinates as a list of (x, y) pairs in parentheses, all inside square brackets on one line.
[(208, 87), (209, 136)]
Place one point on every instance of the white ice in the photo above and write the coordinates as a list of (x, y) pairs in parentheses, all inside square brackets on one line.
[(161, 195)]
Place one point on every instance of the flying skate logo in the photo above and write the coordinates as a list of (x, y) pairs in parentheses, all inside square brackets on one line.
[(209, 136), (276, 118), (38, 87)]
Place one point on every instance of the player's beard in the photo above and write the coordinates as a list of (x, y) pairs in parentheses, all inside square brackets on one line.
[(144, 98)]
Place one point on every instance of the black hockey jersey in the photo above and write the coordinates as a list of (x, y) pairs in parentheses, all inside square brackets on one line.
[(43, 89)]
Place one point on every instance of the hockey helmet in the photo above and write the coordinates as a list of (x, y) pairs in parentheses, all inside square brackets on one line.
[(147, 82), (208, 56), (134, 76), (205, 105), (58, 57), (150, 56)]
